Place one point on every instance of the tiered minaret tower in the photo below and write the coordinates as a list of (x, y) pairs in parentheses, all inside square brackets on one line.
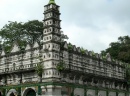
[(51, 39)]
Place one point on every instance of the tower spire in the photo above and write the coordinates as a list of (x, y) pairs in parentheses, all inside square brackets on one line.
[(52, 2)]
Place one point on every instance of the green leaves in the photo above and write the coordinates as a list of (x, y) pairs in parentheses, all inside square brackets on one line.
[(34, 30), (120, 50), (39, 68), (10, 32), (63, 37), (60, 66), (70, 47), (52, 2), (93, 54), (7, 47), (82, 50), (128, 75), (22, 33)]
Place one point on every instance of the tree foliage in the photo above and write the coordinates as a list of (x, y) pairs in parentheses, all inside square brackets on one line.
[(21, 32), (39, 68), (60, 66), (119, 50), (128, 75)]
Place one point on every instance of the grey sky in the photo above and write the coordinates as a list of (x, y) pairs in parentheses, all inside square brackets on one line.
[(91, 24)]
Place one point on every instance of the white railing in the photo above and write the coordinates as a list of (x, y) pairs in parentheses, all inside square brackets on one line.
[(96, 71), (17, 68)]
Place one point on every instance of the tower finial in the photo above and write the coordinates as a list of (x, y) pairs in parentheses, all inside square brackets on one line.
[(52, 2)]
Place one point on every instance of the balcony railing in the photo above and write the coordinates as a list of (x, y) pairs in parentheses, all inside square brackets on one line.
[(95, 71), (18, 68)]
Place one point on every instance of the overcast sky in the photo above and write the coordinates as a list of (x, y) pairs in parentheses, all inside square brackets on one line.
[(91, 24)]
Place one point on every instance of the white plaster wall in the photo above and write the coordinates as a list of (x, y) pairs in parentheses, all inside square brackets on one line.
[(51, 46), (121, 94), (47, 64), (112, 94), (27, 47), (91, 92), (51, 73), (15, 48), (78, 92), (47, 38), (64, 91), (3, 53), (51, 90), (102, 93), (50, 55), (35, 45), (47, 31)]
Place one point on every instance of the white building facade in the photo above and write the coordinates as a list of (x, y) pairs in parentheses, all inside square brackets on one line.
[(67, 70)]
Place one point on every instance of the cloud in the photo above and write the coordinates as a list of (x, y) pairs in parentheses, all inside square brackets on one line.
[(20, 10), (91, 24), (99, 22), (93, 39)]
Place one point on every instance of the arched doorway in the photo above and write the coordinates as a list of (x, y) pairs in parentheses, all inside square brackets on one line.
[(31, 92), (12, 94)]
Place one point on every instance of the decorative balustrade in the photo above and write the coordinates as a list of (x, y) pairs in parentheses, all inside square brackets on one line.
[(95, 71), (17, 68)]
